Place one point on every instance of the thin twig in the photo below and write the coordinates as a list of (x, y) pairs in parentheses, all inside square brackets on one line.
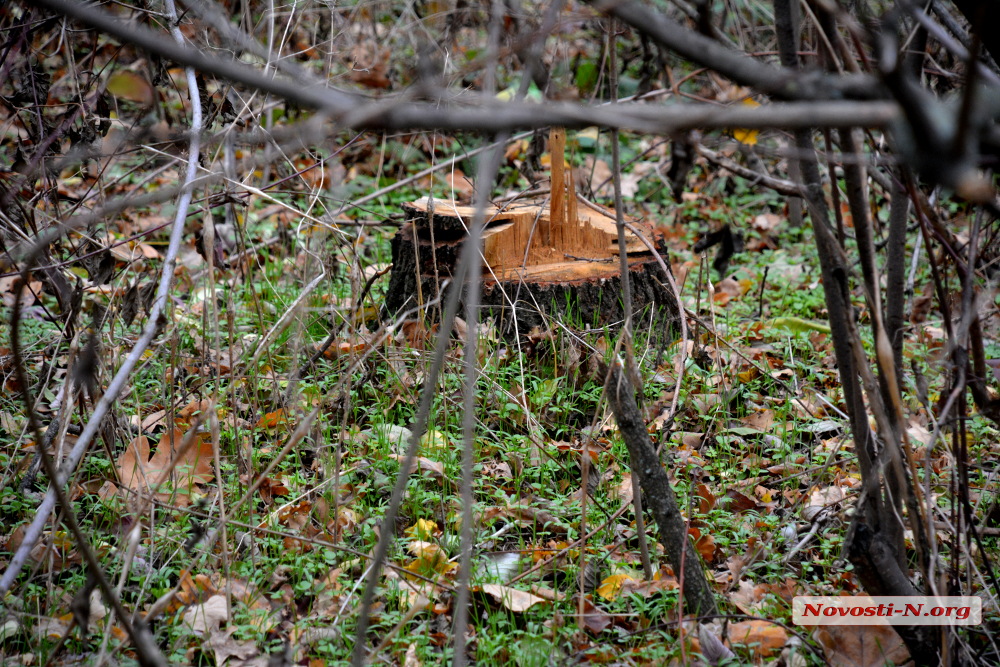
[(117, 384)]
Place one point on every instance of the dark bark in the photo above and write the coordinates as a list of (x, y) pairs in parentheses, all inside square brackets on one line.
[(589, 303), (659, 495), (983, 14), (857, 198), (895, 262), (876, 566), (422, 269), (834, 270), (877, 559)]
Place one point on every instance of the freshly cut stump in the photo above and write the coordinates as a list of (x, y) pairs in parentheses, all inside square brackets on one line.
[(544, 258), (578, 283)]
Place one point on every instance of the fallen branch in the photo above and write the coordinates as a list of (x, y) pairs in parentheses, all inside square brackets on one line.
[(659, 495)]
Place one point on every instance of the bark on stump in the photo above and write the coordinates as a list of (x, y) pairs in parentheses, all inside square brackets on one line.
[(553, 257)]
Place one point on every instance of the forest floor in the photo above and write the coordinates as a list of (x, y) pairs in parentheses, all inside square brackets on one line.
[(298, 444)]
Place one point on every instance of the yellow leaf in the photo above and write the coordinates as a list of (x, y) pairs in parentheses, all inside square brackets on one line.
[(744, 136), (423, 529), (430, 559), (611, 587), (132, 87), (546, 161), (434, 440)]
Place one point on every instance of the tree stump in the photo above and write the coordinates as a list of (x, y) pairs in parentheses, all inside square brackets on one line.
[(544, 258)]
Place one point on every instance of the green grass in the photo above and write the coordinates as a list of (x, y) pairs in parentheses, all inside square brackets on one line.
[(530, 404)]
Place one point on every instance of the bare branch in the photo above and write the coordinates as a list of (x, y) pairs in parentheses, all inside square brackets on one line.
[(34, 530), (781, 82), (486, 114)]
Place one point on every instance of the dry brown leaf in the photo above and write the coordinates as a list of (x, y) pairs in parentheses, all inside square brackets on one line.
[(225, 647), (595, 620), (761, 420), (273, 420), (767, 222), (511, 598), (131, 86), (861, 645), (371, 65), (828, 496), (410, 659), (706, 499), (746, 597), (434, 469), (208, 616), (763, 638), (459, 186), (739, 503), (623, 492), (704, 544), (599, 174), (191, 590), (191, 411), (139, 471)]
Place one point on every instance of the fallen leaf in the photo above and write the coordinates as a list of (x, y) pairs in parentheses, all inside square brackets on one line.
[(423, 529), (511, 598), (767, 222), (410, 659), (739, 503), (434, 440), (825, 497), (745, 136), (370, 65), (711, 646), (460, 188), (746, 597), (225, 647), (430, 559), (139, 471), (434, 468), (861, 645), (208, 616), (273, 420), (611, 587), (704, 544), (797, 324), (131, 86), (762, 420), (706, 500), (726, 290), (53, 628), (595, 620), (763, 638)]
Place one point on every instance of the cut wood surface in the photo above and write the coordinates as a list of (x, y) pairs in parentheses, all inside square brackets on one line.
[(554, 255), (522, 226)]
